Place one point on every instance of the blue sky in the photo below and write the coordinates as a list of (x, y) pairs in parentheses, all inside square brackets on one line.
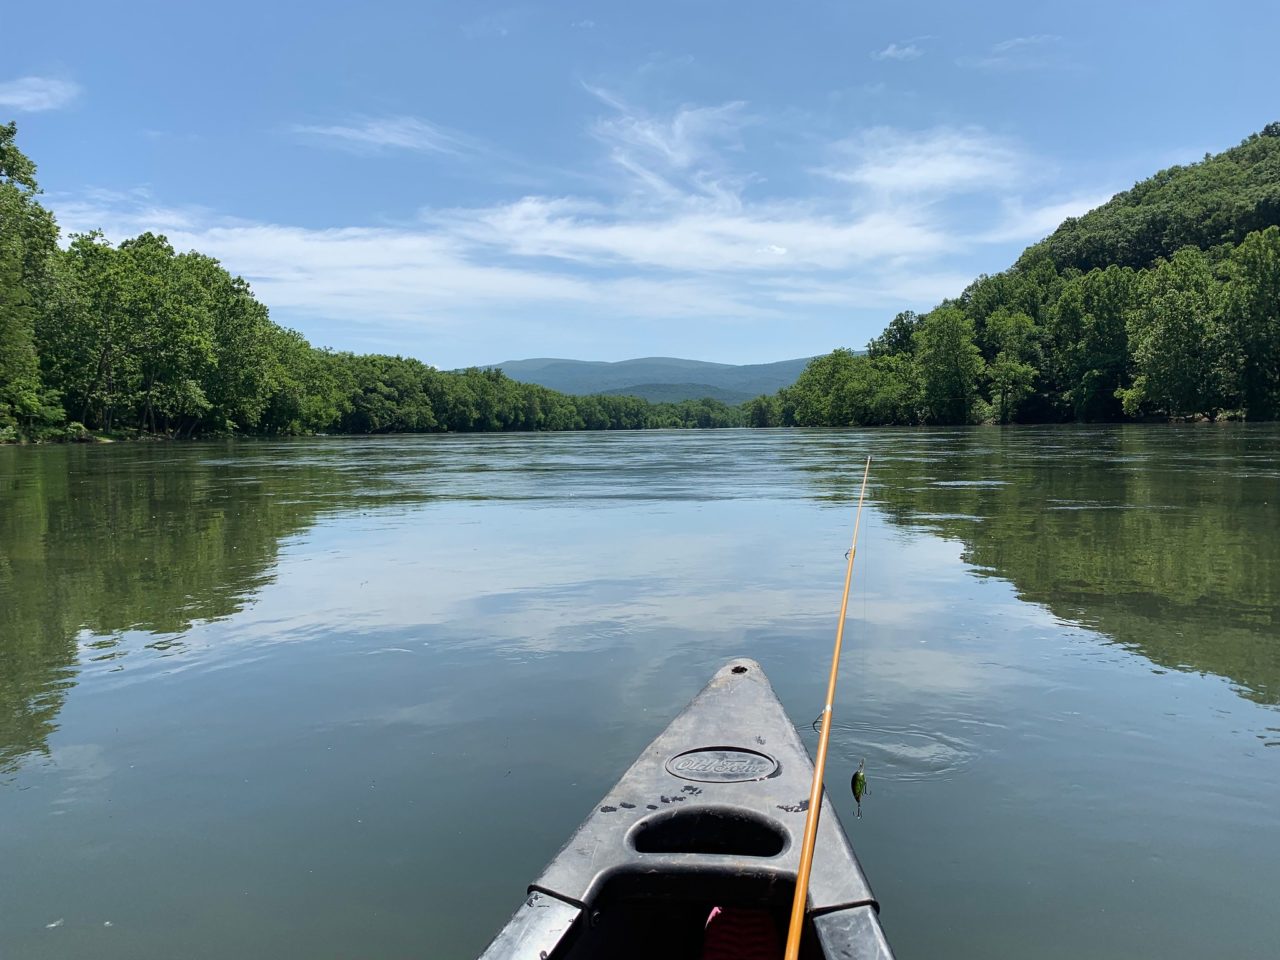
[(735, 181)]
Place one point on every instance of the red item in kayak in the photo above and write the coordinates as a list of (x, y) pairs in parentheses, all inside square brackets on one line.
[(740, 933)]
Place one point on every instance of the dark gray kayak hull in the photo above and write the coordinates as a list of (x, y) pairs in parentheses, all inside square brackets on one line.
[(711, 814)]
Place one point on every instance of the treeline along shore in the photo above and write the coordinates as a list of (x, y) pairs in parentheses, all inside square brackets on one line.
[(1162, 303)]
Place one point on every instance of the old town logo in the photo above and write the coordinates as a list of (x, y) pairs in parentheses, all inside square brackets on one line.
[(722, 765)]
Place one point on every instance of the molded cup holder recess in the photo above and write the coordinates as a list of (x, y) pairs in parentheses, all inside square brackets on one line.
[(711, 830)]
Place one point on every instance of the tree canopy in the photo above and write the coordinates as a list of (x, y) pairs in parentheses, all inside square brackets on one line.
[(138, 337), (1163, 302)]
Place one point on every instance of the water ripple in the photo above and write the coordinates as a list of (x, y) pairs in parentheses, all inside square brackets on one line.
[(906, 754)]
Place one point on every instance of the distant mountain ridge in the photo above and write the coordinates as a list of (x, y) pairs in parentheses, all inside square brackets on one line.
[(675, 392), (657, 378)]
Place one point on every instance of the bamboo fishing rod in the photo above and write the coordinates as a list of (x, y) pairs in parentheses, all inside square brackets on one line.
[(820, 762)]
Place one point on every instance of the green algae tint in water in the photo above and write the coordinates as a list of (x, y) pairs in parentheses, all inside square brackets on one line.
[(343, 698)]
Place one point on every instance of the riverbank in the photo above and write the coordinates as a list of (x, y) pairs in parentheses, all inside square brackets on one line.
[(77, 434)]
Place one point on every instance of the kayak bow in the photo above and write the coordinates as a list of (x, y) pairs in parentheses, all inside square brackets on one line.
[(710, 815)]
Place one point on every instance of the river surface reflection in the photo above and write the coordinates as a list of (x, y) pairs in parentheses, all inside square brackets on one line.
[(336, 698)]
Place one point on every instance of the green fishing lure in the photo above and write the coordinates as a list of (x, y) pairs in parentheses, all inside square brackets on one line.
[(859, 785)]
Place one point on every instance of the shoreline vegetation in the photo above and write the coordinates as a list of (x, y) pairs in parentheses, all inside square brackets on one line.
[(1163, 303)]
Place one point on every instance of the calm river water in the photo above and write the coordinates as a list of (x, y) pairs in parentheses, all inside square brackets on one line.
[(342, 698)]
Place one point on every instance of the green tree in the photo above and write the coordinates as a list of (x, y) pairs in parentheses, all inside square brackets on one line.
[(949, 365), (763, 411), (1171, 332), (306, 390), (19, 369), (1014, 370), (877, 390), (85, 343), (389, 395), (169, 325), (28, 236), (897, 336), (1220, 200), (236, 377), (1088, 342), (814, 392), (1249, 356)]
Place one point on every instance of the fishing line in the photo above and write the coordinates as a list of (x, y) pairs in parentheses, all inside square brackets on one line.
[(800, 901)]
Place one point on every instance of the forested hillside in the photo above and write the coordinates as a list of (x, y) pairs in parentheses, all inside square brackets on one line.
[(658, 378), (140, 339), (675, 392), (1163, 302)]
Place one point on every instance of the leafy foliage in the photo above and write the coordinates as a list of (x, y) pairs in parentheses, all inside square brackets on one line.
[(1218, 201), (139, 338), (27, 241), (1164, 302)]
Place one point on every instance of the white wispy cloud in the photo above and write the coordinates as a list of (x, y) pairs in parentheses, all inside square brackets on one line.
[(1020, 53), (477, 262), (375, 134), (669, 156), (33, 94), (678, 230), (123, 213), (941, 160), (896, 51), (1023, 43), (764, 237)]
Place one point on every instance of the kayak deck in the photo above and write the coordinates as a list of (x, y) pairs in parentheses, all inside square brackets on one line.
[(710, 815)]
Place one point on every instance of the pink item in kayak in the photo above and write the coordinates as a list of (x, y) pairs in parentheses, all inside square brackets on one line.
[(740, 933)]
